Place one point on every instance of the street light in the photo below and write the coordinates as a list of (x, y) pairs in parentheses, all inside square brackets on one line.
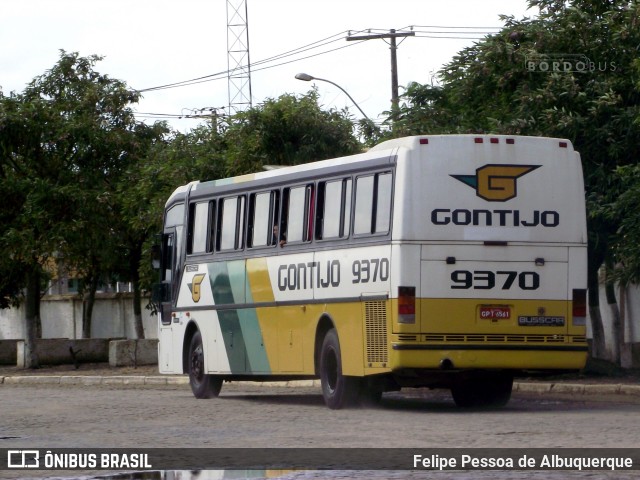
[(307, 78)]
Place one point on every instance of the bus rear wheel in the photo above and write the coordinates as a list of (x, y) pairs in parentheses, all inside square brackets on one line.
[(202, 385), (338, 390), (483, 391)]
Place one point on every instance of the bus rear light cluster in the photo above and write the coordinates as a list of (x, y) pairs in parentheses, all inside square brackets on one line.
[(494, 140), (406, 304), (579, 307)]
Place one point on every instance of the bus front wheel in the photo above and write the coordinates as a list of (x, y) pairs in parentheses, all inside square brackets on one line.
[(338, 390), (202, 385)]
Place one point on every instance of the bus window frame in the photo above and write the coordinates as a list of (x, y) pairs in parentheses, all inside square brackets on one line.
[(211, 214), (308, 220), (239, 240), (374, 204), (344, 226), (274, 207)]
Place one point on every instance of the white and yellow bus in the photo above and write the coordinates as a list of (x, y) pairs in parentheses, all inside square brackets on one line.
[(453, 261)]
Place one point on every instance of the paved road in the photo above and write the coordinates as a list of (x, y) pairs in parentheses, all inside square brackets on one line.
[(104, 416), (246, 416)]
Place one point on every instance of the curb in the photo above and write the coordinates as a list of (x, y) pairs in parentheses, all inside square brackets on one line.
[(577, 388), (90, 380), (154, 380), (177, 380)]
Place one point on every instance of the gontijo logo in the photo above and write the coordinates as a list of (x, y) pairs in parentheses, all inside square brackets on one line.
[(195, 286), (496, 183)]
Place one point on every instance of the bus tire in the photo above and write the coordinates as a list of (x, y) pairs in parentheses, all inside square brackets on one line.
[(202, 385), (338, 390), (488, 391)]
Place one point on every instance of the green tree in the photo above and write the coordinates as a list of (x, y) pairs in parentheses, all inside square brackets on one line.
[(624, 210), (34, 174), (63, 142), (166, 162), (289, 130)]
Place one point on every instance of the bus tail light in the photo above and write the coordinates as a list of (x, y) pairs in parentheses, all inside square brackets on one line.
[(579, 307), (406, 304)]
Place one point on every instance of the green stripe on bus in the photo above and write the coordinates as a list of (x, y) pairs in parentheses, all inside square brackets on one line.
[(240, 328)]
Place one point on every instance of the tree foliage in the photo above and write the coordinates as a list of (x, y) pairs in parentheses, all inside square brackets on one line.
[(622, 211), (64, 142), (288, 130)]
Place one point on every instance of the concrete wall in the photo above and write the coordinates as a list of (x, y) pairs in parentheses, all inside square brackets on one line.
[(125, 353), (8, 352), (631, 309), (113, 318), (59, 351), (62, 318)]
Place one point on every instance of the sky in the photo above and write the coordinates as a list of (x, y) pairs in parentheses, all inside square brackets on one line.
[(149, 43)]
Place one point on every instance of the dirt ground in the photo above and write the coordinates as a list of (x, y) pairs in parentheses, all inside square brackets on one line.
[(103, 369)]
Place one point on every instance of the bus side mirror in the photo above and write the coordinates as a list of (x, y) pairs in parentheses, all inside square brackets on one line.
[(156, 256), (160, 293)]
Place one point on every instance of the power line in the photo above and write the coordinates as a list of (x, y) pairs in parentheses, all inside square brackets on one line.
[(329, 40), (453, 27), (223, 74), (392, 35), (308, 56), (455, 33), (448, 37)]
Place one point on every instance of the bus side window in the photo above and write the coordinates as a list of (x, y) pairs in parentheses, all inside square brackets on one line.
[(231, 224), (384, 187), (373, 204), (334, 209), (275, 221), (297, 214), (200, 227), (346, 206), (262, 218)]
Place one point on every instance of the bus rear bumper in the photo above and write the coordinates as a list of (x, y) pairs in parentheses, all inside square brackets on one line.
[(478, 357)]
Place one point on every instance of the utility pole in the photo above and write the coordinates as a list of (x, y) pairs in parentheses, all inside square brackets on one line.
[(392, 36)]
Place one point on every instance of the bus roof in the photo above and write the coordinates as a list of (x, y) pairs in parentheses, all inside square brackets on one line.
[(384, 150)]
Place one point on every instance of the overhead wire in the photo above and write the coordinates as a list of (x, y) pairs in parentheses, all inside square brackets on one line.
[(261, 65), (323, 42), (219, 75)]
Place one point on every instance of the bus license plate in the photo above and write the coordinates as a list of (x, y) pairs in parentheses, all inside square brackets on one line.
[(489, 312)]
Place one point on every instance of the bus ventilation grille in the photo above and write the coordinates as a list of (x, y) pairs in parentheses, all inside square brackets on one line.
[(493, 338), (376, 329)]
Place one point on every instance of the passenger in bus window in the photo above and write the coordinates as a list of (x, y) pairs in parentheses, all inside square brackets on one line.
[(282, 237)]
